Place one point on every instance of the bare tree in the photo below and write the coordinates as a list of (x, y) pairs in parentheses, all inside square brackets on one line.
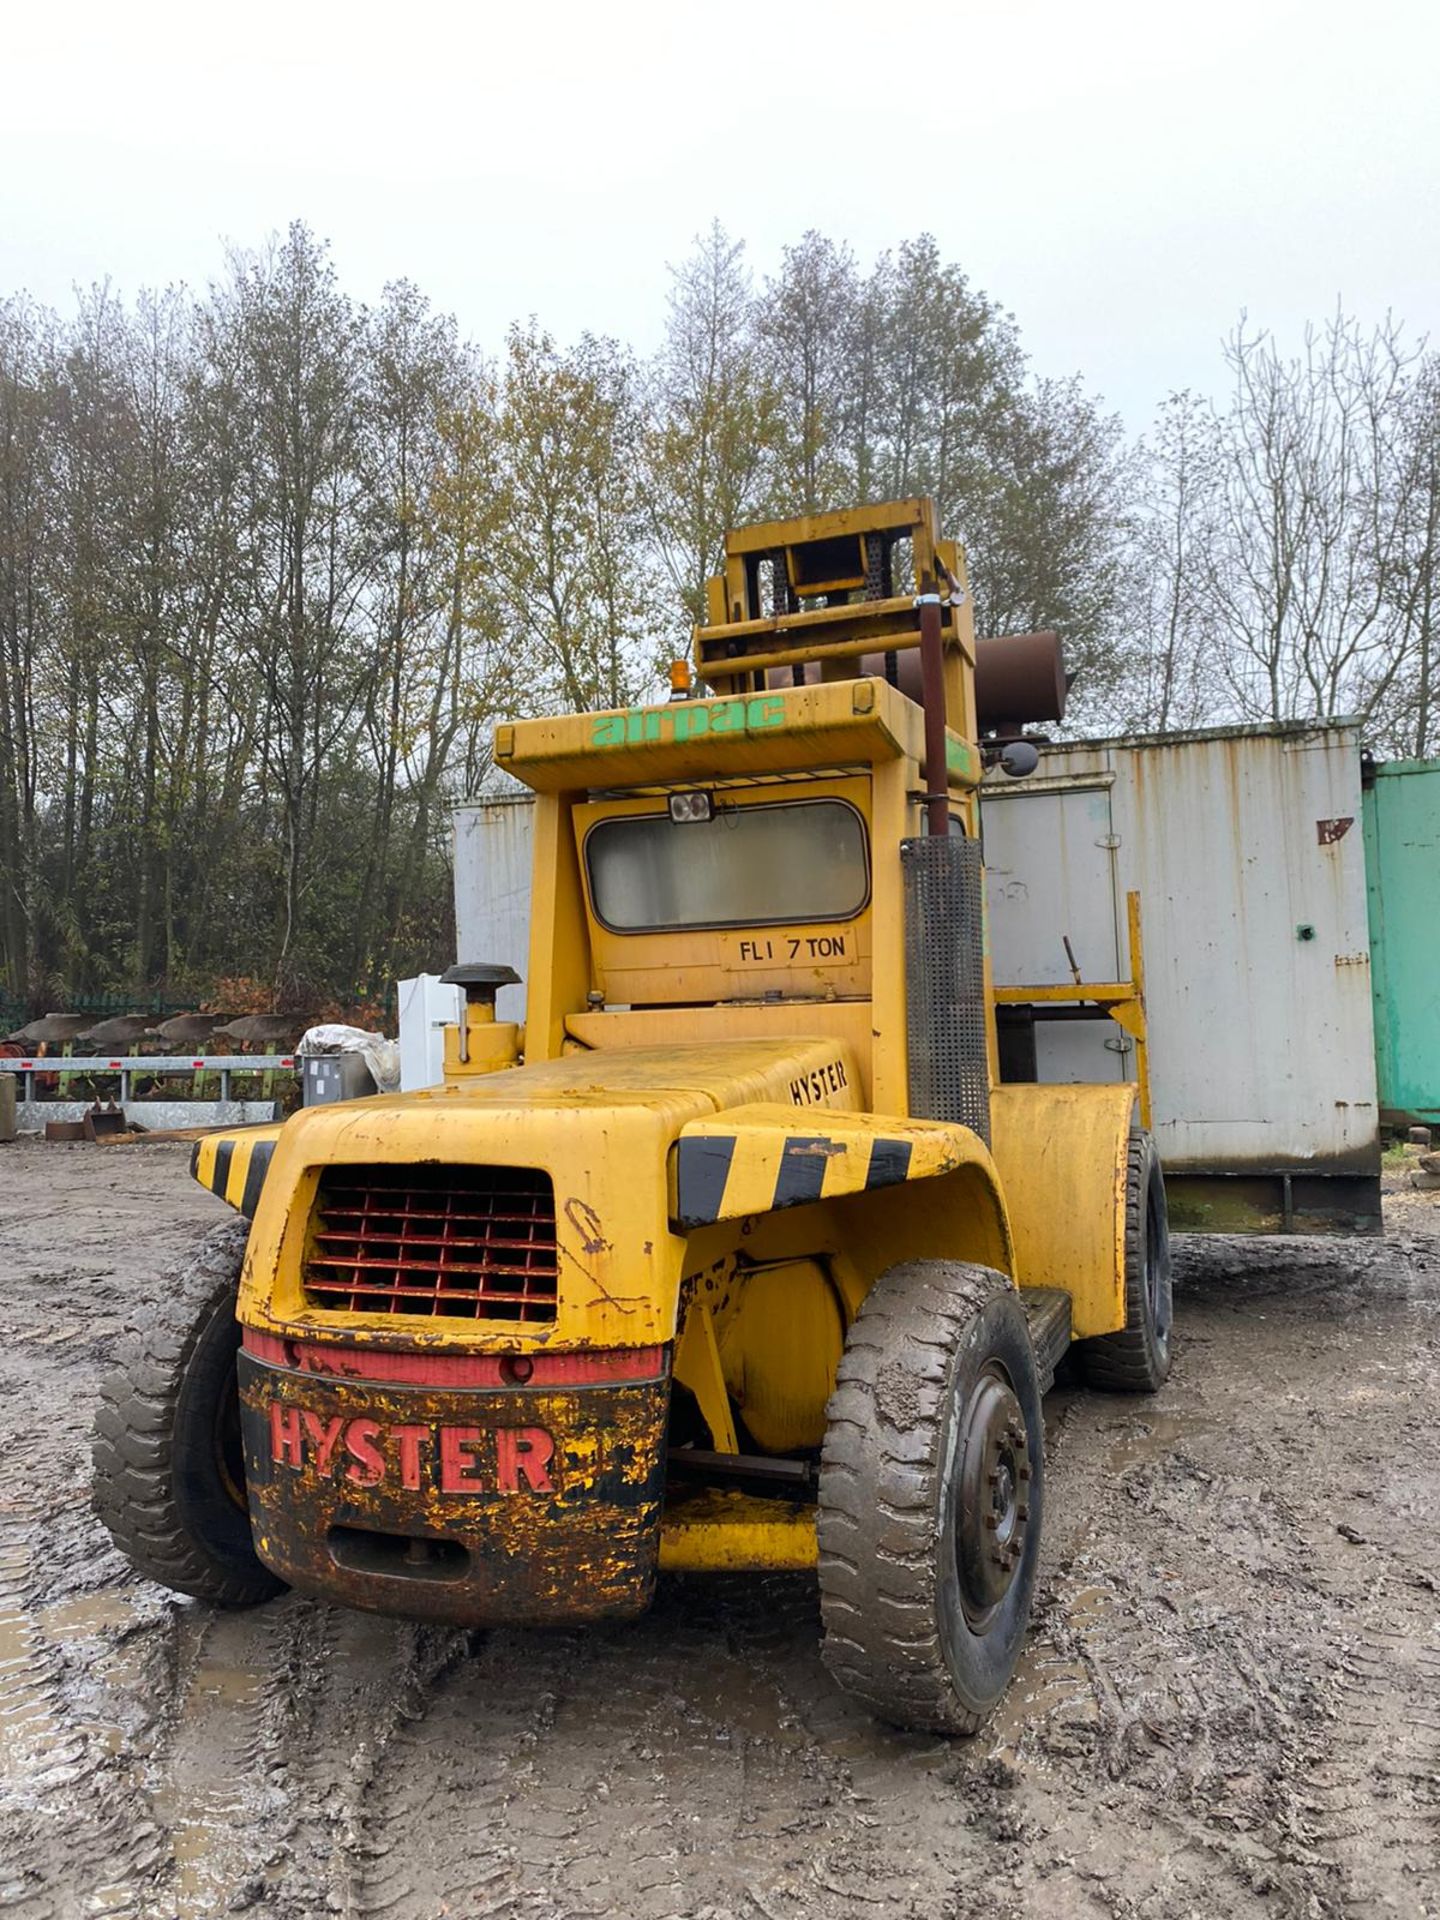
[(28, 355), (1308, 523), (1166, 642), (1045, 528), (806, 323), (1411, 710), (299, 338), (712, 422)]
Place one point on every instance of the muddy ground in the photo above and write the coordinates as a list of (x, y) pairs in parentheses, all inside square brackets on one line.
[(1230, 1703)]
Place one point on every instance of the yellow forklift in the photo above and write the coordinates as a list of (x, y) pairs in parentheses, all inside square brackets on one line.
[(739, 1256)]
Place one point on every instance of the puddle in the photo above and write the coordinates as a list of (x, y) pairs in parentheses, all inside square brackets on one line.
[(1153, 1435), (1047, 1685), (201, 1799), (42, 1744), (88, 1615), (1087, 1604)]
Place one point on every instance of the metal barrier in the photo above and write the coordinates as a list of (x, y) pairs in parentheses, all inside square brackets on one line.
[(127, 1068)]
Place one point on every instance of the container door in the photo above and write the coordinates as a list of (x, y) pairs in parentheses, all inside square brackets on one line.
[(1050, 854)]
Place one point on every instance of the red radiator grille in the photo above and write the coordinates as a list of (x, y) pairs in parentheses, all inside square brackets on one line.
[(477, 1243)]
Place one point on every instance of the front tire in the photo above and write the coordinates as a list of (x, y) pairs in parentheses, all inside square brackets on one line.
[(931, 1497), (169, 1482)]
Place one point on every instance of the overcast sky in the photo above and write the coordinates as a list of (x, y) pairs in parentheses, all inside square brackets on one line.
[(1124, 177)]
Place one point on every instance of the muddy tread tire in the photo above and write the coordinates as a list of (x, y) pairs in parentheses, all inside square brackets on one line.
[(158, 1490), (1136, 1360), (882, 1499)]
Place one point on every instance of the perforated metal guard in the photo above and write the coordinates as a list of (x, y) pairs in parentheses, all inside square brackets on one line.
[(945, 980), (469, 1243)]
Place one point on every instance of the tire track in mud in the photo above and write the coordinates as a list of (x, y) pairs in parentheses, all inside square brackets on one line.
[(209, 1771), (647, 1770), (76, 1825), (281, 1723), (701, 1760), (1370, 1803), (1271, 1700), (541, 1747)]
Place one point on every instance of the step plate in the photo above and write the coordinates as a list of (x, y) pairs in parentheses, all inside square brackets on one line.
[(1047, 1309)]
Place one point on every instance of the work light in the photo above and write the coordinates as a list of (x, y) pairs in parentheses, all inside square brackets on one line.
[(687, 807)]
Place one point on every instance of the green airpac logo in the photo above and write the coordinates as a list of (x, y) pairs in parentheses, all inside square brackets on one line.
[(688, 720)]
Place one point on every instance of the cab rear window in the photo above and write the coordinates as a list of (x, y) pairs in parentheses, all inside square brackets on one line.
[(791, 863)]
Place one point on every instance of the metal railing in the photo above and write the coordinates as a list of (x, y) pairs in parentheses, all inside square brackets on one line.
[(127, 1068)]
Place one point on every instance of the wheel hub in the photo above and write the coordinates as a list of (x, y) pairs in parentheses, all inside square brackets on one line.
[(994, 1512)]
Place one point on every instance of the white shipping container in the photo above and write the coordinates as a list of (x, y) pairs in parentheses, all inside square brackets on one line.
[(1246, 849), (493, 841)]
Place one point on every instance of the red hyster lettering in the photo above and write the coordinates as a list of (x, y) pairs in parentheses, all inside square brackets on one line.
[(462, 1459)]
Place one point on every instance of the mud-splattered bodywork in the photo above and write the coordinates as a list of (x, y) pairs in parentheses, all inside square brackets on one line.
[(477, 1469), (456, 1496)]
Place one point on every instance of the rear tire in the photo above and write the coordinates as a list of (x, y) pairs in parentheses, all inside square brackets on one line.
[(1137, 1360), (931, 1497), (169, 1481)]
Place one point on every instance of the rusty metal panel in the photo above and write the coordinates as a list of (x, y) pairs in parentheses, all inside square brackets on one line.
[(493, 842), (1257, 949), (466, 1505)]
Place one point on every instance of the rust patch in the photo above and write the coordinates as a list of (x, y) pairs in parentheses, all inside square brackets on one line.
[(474, 1507), (1327, 832), (586, 1222), (821, 1149)]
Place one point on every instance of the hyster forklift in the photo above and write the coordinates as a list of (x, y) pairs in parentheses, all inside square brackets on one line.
[(739, 1255)]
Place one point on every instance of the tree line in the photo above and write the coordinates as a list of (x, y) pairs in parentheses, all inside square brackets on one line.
[(273, 564)]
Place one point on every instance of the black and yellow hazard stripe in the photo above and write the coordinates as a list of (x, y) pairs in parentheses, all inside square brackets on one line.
[(234, 1165), (760, 1170)]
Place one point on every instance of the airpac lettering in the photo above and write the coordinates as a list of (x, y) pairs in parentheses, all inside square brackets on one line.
[(688, 720)]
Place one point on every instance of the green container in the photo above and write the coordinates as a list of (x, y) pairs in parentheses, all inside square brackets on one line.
[(1401, 812)]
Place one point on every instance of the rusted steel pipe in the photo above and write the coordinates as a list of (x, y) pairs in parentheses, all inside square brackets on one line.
[(932, 694), (1019, 680)]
